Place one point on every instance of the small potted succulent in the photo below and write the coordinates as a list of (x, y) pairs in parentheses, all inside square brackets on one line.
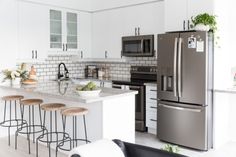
[(204, 22)]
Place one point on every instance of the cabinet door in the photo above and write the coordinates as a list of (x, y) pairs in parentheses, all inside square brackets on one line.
[(175, 14), (33, 31), (8, 33), (199, 7), (84, 34), (71, 31), (56, 30), (100, 35)]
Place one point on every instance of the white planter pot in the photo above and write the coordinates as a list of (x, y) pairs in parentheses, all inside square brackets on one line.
[(16, 81), (202, 27)]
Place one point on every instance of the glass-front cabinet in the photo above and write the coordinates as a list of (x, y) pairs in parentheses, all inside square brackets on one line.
[(63, 31)]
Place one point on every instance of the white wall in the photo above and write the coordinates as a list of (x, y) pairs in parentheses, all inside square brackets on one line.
[(106, 4), (74, 4)]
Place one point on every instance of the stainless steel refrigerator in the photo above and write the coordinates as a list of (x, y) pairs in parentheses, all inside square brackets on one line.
[(185, 83)]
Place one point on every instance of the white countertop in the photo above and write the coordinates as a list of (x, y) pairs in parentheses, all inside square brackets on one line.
[(230, 90), (66, 90)]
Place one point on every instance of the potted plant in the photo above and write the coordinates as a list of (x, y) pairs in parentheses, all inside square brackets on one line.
[(204, 22), (15, 77), (170, 148)]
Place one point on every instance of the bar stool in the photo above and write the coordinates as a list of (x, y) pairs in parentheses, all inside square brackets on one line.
[(31, 126), (13, 120), (73, 112), (53, 133)]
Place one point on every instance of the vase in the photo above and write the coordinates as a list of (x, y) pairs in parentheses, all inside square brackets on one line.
[(16, 81), (202, 27)]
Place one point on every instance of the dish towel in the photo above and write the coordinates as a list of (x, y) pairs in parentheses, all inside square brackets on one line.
[(101, 148)]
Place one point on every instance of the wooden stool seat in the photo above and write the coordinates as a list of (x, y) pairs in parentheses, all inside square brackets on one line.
[(74, 111), (12, 97), (52, 106), (31, 101)]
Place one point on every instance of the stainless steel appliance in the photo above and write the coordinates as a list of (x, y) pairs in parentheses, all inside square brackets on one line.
[(142, 45), (184, 81), (139, 76)]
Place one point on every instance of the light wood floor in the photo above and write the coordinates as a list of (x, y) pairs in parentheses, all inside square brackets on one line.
[(22, 151)]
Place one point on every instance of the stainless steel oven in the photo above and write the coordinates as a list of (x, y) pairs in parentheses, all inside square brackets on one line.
[(139, 76)]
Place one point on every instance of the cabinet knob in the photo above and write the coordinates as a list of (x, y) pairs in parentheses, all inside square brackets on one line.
[(36, 54), (63, 47), (81, 54), (105, 54), (32, 54), (184, 25)]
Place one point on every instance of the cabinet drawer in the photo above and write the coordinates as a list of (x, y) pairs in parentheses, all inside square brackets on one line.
[(151, 97), (151, 119), (151, 106), (151, 89)]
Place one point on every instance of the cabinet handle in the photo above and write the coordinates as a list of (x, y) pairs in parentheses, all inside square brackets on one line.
[(63, 47), (188, 25), (135, 31), (32, 54), (153, 107), (153, 90), (66, 47), (105, 54), (138, 30), (153, 98), (184, 25), (81, 54), (153, 120), (36, 54)]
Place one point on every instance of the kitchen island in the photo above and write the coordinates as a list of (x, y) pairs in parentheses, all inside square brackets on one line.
[(111, 114)]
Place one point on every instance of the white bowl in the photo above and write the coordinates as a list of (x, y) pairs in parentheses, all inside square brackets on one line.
[(92, 93)]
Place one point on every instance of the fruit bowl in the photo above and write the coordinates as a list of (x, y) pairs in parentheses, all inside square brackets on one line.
[(88, 90), (91, 93)]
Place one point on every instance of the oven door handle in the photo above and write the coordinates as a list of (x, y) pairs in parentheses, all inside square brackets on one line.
[(135, 87), (116, 86)]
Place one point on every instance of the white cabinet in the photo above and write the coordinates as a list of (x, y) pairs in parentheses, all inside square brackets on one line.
[(8, 33), (151, 108), (108, 27), (63, 30), (178, 13), (33, 31), (84, 34)]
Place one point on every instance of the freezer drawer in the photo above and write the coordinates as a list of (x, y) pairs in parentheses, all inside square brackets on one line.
[(181, 124)]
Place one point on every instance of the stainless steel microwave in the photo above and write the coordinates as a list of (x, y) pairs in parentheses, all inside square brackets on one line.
[(138, 46)]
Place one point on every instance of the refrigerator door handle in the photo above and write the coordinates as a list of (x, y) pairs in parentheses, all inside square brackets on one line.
[(180, 67), (175, 64), (181, 108)]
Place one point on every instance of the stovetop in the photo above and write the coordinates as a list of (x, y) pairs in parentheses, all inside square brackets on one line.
[(140, 75)]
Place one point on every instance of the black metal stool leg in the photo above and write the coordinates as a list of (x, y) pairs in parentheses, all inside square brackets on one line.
[(9, 131), (29, 129), (33, 124), (85, 129)]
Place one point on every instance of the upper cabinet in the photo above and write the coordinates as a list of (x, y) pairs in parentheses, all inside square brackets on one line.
[(8, 33), (109, 26), (63, 30), (33, 31), (178, 13)]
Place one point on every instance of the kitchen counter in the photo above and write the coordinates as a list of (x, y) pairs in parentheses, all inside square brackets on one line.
[(110, 79), (231, 90), (66, 90), (111, 114)]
